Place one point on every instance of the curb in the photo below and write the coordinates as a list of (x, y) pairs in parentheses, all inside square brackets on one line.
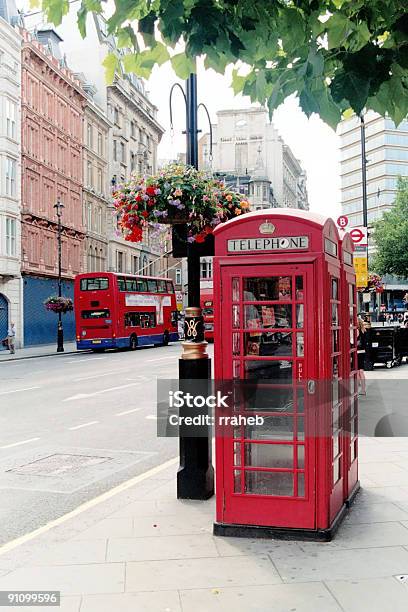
[(42, 355)]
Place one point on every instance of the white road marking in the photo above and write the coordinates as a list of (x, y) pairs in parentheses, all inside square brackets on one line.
[(17, 390), (19, 443), (87, 505), (97, 375), (152, 417), (157, 359), (127, 412), (85, 360), (100, 392), (83, 425)]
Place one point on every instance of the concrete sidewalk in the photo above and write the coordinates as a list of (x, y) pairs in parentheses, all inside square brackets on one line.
[(40, 350), (139, 549)]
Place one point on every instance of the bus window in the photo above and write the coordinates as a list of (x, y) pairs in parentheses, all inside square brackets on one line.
[(161, 286), (130, 285), (147, 319), (94, 284), (132, 319), (141, 285), (121, 284), (170, 288), (152, 285), (95, 314)]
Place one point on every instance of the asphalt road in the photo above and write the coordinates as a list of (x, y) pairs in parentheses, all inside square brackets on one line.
[(74, 427)]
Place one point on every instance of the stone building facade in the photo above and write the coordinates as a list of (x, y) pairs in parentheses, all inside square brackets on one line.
[(135, 137), (10, 252), (96, 195), (53, 105)]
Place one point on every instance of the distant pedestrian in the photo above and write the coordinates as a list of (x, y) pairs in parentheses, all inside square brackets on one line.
[(406, 319), (11, 338), (361, 353)]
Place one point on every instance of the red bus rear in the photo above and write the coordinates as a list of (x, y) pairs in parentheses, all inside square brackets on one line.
[(124, 311), (207, 306)]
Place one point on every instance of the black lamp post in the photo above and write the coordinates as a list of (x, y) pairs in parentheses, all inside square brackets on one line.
[(195, 476), (60, 332)]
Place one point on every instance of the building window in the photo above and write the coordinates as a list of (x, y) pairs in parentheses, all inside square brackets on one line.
[(10, 237), (178, 276), (116, 116), (100, 144), (258, 191), (100, 181), (122, 152), (132, 129), (132, 162), (10, 176), (206, 269), (89, 135), (11, 118), (99, 222), (119, 261), (89, 216), (135, 264), (115, 150), (89, 174)]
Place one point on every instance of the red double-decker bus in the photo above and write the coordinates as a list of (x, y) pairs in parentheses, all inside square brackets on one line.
[(123, 311), (207, 307)]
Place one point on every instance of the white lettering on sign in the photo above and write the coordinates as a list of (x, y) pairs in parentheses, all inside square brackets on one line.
[(284, 243), (158, 301)]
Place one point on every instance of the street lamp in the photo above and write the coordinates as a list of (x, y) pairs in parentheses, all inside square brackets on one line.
[(60, 333), (195, 476)]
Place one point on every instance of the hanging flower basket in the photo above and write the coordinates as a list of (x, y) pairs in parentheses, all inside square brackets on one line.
[(59, 304), (375, 283), (179, 194)]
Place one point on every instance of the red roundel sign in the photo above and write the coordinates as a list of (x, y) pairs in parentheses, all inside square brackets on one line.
[(357, 235), (342, 221)]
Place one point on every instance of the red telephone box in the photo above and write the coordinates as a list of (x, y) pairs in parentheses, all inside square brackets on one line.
[(279, 295), (349, 304)]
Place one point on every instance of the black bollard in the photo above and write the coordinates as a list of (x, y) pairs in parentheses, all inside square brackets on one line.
[(195, 476)]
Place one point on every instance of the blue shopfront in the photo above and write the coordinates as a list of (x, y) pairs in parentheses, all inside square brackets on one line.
[(40, 325)]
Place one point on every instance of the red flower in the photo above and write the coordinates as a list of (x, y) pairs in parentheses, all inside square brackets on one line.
[(200, 238), (151, 191), (151, 202), (144, 214), (138, 198)]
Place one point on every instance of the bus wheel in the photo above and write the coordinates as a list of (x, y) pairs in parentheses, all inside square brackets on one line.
[(133, 343), (165, 338)]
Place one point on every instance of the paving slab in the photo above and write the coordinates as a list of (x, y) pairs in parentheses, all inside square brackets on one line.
[(164, 525), (371, 535), (108, 528), (324, 563), (164, 601), (275, 598), (232, 547), (73, 552), (200, 573), (165, 547), (375, 513), (379, 595), (69, 579)]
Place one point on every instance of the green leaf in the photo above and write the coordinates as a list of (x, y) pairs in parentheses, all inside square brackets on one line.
[(111, 64), (55, 10), (132, 63), (352, 88), (260, 86), (127, 38), (238, 82), (81, 19), (338, 28), (183, 65)]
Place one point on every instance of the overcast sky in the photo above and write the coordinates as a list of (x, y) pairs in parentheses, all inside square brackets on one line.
[(313, 142)]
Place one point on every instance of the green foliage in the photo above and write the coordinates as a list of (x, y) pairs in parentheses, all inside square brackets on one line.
[(334, 54), (391, 236)]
